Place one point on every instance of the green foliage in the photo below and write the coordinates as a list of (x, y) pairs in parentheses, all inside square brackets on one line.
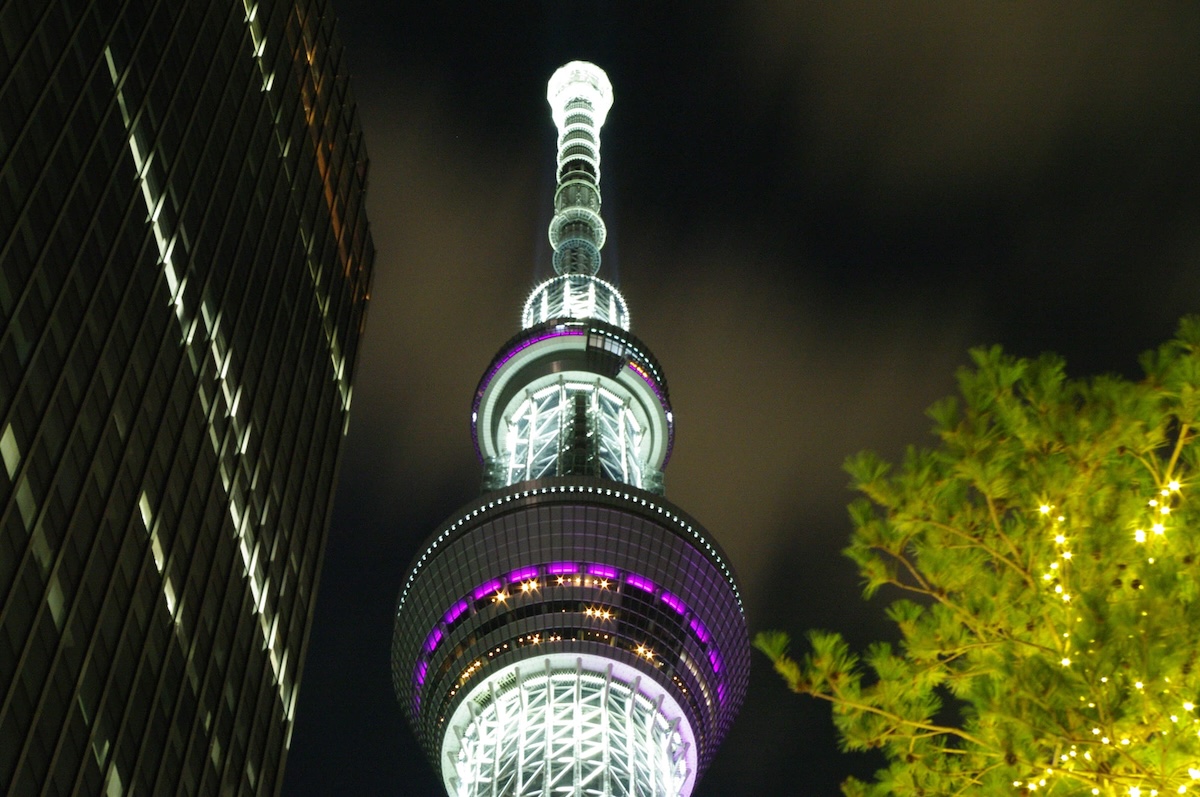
[(1047, 549)]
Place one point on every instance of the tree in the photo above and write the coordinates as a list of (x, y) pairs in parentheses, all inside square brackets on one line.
[(1045, 555)]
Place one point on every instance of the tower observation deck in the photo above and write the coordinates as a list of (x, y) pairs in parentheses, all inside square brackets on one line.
[(571, 632)]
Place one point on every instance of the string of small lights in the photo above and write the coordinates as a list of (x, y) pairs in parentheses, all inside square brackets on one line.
[(1110, 759)]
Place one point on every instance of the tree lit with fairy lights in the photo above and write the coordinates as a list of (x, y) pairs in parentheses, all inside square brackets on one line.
[(1045, 558)]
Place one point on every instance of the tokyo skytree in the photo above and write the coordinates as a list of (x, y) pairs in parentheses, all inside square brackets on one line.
[(571, 632)]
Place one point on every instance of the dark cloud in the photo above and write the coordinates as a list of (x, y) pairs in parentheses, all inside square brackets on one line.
[(946, 95), (773, 390), (452, 225)]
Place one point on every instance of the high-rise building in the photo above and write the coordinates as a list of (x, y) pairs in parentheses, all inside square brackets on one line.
[(184, 272), (571, 632)]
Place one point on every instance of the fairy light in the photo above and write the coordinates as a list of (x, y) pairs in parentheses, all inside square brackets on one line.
[(1115, 735)]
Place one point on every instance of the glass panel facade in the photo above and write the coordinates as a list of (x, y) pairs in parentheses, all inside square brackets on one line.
[(186, 265)]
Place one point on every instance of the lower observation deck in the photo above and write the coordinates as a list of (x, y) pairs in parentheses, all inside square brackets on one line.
[(614, 589)]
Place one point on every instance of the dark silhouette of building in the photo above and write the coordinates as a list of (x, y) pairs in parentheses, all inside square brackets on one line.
[(571, 631), (184, 273)]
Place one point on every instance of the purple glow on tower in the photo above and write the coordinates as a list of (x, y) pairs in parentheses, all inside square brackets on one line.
[(643, 584), (714, 659), (602, 571), (455, 612), (435, 636), (422, 669), (558, 331), (523, 574), (699, 629), (483, 590), (673, 602), (648, 379), (562, 568)]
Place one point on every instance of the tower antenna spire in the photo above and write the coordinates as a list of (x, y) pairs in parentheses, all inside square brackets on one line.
[(580, 97)]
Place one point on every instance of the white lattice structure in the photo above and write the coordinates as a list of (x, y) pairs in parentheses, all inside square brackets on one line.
[(541, 432), (580, 96), (555, 727), (575, 296)]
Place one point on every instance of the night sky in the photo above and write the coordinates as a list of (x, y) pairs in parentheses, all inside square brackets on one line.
[(814, 210)]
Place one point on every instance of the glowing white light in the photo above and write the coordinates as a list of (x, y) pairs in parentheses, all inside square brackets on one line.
[(541, 431), (553, 726), (575, 296)]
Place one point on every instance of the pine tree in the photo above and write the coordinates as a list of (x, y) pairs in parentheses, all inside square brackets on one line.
[(1047, 559)]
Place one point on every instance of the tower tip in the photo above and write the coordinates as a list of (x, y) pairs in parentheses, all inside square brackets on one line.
[(579, 80)]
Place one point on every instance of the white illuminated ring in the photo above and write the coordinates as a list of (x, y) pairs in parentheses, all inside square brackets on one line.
[(588, 725)]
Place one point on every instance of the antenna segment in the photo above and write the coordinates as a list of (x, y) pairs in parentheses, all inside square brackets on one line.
[(580, 97)]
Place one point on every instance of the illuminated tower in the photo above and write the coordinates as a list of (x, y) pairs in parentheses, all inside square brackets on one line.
[(571, 632), (184, 268)]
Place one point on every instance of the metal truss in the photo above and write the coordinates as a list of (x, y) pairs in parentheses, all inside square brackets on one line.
[(543, 438), (568, 734), (620, 437), (533, 435), (575, 296)]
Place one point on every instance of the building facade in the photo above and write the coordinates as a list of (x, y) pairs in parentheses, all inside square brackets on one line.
[(571, 631), (184, 274)]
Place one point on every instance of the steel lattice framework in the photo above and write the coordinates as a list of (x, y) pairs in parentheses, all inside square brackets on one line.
[(542, 432), (575, 296), (572, 733), (571, 633)]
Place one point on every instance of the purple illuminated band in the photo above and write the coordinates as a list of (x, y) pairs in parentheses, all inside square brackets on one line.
[(496, 586), (485, 589), (673, 602), (558, 332), (455, 612), (565, 330), (524, 574), (644, 584), (649, 380)]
